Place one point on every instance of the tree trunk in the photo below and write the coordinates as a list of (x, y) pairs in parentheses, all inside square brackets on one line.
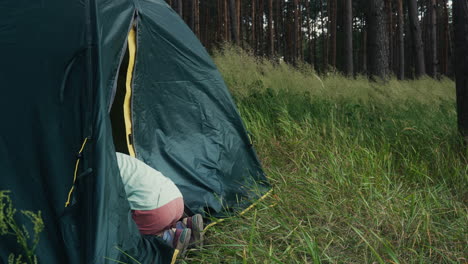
[(364, 49), (283, 29), (260, 33), (277, 21), (377, 41), (295, 38), (204, 24), (257, 27), (300, 50), (226, 15), (246, 13), (234, 25), (312, 48), (254, 24), (445, 39), (356, 44), (332, 17), (401, 42), (424, 15), (324, 40), (460, 21), (417, 40), (388, 10), (271, 43), (197, 18), (192, 15), (239, 14), (309, 39), (219, 24), (433, 38), (179, 8), (287, 31), (451, 52), (348, 37), (409, 59), (281, 32)]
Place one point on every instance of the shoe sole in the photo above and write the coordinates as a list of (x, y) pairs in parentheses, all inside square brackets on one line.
[(184, 241), (197, 229)]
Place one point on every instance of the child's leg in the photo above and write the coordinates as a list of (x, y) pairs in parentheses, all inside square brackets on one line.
[(154, 222)]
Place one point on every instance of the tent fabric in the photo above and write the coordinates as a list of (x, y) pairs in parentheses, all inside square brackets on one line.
[(58, 77), (185, 122)]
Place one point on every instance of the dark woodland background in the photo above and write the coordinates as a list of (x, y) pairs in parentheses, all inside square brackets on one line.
[(406, 39)]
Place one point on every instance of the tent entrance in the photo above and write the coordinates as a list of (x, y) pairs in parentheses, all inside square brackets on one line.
[(120, 113), (116, 113)]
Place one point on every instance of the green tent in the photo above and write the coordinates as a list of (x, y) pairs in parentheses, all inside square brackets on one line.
[(60, 85)]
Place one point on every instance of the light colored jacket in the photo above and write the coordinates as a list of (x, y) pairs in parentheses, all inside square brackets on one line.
[(146, 188)]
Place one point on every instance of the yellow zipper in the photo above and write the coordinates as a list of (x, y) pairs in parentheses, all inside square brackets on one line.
[(127, 107), (77, 164)]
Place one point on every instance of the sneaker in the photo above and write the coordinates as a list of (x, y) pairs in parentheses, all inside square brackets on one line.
[(182, 240), (178, 238), (195, 223), (168, 237)]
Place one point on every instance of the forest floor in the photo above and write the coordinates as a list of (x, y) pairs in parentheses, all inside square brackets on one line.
[(361, 172)]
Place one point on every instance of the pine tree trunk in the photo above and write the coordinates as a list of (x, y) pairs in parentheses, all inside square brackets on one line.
[(312, 48), (356, 45), (445, 38), (239, 23), (233, 16), (220, 27), (388, 10), (192, 15), (287, 31), (309, 39), (203, 15), (254, 24), (401, 42), (260, 33), (417, 40), (295, 38), (281, 29), (409, 59), (332, 17), (300, 50), (244, 24), (460, 22), (395, 41), (433, 38), (364, 49), (197, 18), (271, 43), (424, 33), (348, 37), (451, 52), (206, 26), (276, 28), (180, 7), (324, 40), (226, 15), (377, 41)]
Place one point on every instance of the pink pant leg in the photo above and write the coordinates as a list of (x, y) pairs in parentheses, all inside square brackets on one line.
[(154, 222)]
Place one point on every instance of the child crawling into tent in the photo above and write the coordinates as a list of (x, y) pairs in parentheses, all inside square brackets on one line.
[(157, 204)]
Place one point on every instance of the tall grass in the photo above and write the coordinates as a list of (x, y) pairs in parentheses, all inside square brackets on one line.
[(10, 227), (362, 172)]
